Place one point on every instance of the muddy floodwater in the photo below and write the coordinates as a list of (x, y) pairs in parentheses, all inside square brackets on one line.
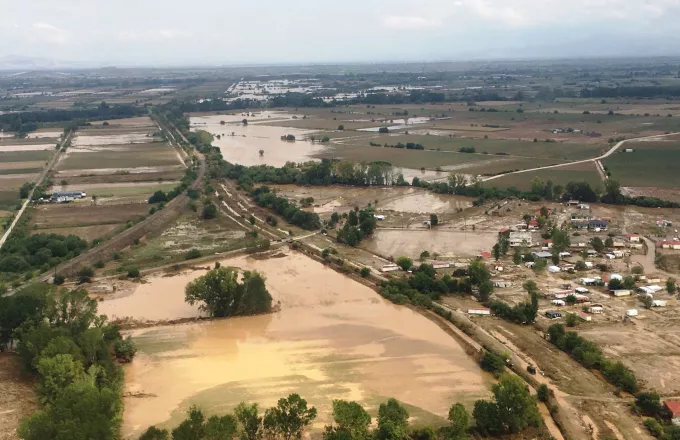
[(447, 243), (241, 144), (333, 338)]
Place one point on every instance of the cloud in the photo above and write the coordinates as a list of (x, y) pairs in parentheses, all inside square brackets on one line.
[(151, 36), (50, 33), (409, 22)]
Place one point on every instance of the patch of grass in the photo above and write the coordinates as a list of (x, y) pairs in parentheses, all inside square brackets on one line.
[(645, 167), (559, 176), (24, 156)]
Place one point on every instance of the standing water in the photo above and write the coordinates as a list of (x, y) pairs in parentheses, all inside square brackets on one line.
[(333, 339)]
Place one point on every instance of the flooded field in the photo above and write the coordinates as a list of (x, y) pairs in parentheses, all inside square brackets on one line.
[(427, 202), (24, 147), (110, 139), (411, 242), (333, 338), (241, 143)]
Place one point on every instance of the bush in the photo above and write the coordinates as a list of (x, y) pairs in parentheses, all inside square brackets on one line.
[(192, 254), (85, 275), (209, 211), (492, 362), (543, 393), (99, 264), (59, 279), (405, 263), (365, 272), (654, 427), (133, 272)]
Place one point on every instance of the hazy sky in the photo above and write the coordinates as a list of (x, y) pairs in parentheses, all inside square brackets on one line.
[(214, 32)]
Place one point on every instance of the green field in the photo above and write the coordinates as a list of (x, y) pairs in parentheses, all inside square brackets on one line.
[(559, 176), (646, 167), (146, 157), (492, 146), (25, 156), (9, 199)]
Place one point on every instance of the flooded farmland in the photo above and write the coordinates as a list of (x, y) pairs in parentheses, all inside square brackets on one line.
[(447, 243), (241, 144), (333, 338)]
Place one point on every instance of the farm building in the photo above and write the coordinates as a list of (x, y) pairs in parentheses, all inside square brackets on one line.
[(520, 239), (673, 407), (598, 224), (542, 254), (584, 316), (63, 195), (668, 244), (389, 268), (479, 311), (621, 292), (502, 283)]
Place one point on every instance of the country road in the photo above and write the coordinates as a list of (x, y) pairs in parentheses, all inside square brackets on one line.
[(42, 176), (611, 151)]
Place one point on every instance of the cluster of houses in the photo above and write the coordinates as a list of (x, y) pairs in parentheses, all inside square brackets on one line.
[(581, 222), (673, 243)]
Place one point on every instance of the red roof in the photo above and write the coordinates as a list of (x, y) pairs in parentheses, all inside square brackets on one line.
[(631, 235), (673, 406), (547, 241), (485, 254), (533, 222), (504, 229)]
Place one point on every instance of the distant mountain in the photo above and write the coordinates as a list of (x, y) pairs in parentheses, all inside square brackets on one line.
[(21, 62)]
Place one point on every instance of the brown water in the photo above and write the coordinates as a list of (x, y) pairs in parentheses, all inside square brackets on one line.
[(247, 141), (426, 202), (333, 338)]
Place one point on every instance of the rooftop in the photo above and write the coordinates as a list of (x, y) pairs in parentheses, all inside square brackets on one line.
[(673, 406)]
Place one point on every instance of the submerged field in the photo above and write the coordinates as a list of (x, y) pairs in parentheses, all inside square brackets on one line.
[(333, 338)]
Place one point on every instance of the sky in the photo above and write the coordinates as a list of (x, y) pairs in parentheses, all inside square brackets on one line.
[(227, 32)]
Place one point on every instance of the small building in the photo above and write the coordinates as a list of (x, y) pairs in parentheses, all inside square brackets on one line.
[(441, 264), (520, 238), (554, 269), (619, 243), (589, 281), (668, 244), (542, 254), (558, 302), (379, 217), (583, 206), (551, 314), (618, 254), (565, 254), (60, 196), (633, 238), (584, 316), (596, 309), (589, 264), (592, 252), (664, 223), (579, 224), (649, 290), (573, 203), (529, 265), (479, 311), (653, 278), (631, 312), (598, 224), (673, 407), (658, 303), (621, 292), (548, 244), (502, 283), (389, 268), (610, 256)]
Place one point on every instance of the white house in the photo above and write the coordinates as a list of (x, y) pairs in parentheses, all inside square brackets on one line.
[(389, 268), (595, 309), (631, 312), (658, 303), (621, 292)]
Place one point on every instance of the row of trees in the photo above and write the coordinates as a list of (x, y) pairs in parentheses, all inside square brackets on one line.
[(220, 293), (74, 354), (264, 197), (357, 227), (512, 410), (24, 252), (590, 356)]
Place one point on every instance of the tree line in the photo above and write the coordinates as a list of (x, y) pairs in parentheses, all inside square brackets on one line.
[(74, 354), (265, 198), (23, 252), (23, 122), (512, 411)]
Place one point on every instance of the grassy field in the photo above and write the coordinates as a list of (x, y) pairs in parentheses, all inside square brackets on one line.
[(85, 214), (88, 233), (25, 156), (559, 176), (645, 167), (492, 146), (129, 191), (146, 157), (9, 198), (125, 177)]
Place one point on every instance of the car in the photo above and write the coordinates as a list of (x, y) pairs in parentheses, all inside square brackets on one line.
[(531, 369)]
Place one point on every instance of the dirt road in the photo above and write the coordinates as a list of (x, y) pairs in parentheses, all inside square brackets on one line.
[(42, 176), (611, 151)]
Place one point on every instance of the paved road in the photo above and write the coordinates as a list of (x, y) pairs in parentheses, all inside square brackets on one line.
[(42, 176), (611, 151)]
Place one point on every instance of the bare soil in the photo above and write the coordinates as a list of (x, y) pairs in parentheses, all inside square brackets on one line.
[(17, 396)]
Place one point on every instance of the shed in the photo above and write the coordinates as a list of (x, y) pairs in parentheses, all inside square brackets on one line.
[(595, 309), (673, 407), (479, 311), (554, 269), (542, 254), (621, 292), (584, 316), (631, 312)]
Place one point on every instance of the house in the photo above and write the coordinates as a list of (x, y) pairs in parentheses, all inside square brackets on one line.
[(67, 195), (668, 244), (485, 254), (653, 278), (581, 290), (523, 238), (664, 223), (584, 316), (673, 407), (658, 303), (598, 224), (554, 269), (583, 206), (547, 243), (592, 252), (379, 217), (596, 309), (541, 254), (631, 312), (579, 224), (621, 292), (650, 290), (633, 238), (619, 243), (618, 254), (573, 203), (589, 281), (579, 216), (533, 224), (567, 267), (479, 311), (502, 283), (565, 254), (589, 264), (553, 314), (635, 245), (610, 256)]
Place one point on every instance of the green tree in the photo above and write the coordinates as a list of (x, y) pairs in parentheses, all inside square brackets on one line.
[(55, 374), (352, 418), (249, 420), (392, 421), (478, 272), (434, 220), (221, 428), (364, 272), (560, 240), (192, 428), (487, 417), (609, 242), (221, 295), (209, 211), (517, 256), (597, 244), (496, 251), (424, 255), (572, 320), (540, 265), (492, 362), (459, 420), (543, 393), (671, 286), (154, 433), (289, 418), (485, 291), (516, 406), (405, 263)]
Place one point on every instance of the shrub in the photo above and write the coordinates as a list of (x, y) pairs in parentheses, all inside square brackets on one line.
[(59, 279), (492, 362), (365, 272), (543, 393), (85, 275), (133, 272), (192, 254), (654, 427)]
